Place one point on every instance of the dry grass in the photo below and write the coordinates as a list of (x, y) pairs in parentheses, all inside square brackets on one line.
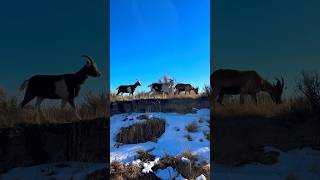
[(90, 106), (265, 107), (145, 95), (148, 130), (189, 170), (192, 127), (145, 156), (119, 171)]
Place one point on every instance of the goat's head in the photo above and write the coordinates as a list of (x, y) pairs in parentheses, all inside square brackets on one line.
[(196, 90), (278, 90), (138, 83), (92, 67)]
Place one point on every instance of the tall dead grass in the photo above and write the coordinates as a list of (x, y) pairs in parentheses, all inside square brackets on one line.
[(145, 95), (265, 108), (90, 106)]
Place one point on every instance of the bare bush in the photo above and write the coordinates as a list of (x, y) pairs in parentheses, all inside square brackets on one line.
[(192, 127), (309, 87), (206, 90)]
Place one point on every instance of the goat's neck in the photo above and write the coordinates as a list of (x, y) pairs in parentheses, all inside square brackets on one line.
[(267, 86), (135, 85), (81, 75)]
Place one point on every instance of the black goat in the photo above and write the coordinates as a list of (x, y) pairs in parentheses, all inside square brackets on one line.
[(128, 88), (65, 86), (186, 88), (161, 87)]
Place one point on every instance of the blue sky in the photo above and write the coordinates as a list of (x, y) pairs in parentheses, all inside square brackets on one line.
[(276, 38), (49, 37), (149, 39)]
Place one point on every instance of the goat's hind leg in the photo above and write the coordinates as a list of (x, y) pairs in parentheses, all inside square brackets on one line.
[(27, 98), (220, 98), (71, 102), (63, 104)]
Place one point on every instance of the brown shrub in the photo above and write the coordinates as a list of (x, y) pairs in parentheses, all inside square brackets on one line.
[(192, 127), (141, 132), (145, 156)]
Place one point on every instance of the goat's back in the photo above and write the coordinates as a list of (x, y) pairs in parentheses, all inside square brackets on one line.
[(228, 78), (183, 86), (45, 85)]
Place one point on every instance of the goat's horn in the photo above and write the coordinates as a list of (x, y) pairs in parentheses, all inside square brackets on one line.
[(89, 58)]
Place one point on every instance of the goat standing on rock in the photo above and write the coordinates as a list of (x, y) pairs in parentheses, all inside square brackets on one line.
[(128, 88), (65, 87)]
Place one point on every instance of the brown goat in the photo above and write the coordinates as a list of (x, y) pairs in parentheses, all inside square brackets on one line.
[(233, 82)]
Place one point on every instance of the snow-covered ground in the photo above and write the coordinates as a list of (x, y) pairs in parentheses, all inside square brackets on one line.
[(172, 142), (299, 164), (58, 171)]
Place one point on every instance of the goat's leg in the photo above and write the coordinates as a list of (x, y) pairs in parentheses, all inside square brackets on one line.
[(63, 104), (38, 103), (220, 98), (241, 99), (27, 98), (71, 102), (216, 93), (254, 98)]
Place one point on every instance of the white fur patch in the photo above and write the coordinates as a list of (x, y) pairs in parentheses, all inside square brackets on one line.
[(61, 89), (165, 88), (129, 90)]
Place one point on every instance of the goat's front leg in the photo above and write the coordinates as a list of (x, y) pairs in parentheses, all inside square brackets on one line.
[(241, 99), (71, 102), (63, 103), (38, 103)]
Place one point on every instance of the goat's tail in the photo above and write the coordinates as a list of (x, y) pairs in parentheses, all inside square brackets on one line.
[(24, 85)]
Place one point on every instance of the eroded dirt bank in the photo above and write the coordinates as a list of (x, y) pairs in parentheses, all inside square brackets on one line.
[(24, 145)]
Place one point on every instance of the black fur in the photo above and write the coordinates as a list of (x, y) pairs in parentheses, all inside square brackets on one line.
[(43, 86), (125, 88)]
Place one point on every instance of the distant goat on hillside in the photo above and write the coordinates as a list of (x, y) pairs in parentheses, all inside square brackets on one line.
[(186, 88), (162, 87), (128, 88)]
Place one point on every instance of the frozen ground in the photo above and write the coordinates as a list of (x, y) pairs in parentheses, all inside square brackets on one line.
[(65, 171), (299, 164), (172, 142)]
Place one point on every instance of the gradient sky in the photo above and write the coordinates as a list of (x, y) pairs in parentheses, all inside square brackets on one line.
[(49, 37), (151, 38), (276, 38)]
